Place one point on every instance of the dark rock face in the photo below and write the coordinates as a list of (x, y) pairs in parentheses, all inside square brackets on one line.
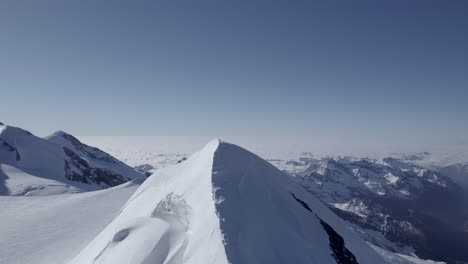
[(18, 157), (10, 148), (341, 254), (181, 160), (7, 146), (304, 204), (78, 169)]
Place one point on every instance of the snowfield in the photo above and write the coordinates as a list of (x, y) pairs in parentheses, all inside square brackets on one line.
[(17, 182), (401, 259), (53, 229)]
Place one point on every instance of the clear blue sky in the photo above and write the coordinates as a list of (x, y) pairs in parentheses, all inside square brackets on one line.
[(391, 70)]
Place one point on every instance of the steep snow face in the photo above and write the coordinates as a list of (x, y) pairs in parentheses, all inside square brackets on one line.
[(225, 205), (266, 217), (171, 218), (60, 158)]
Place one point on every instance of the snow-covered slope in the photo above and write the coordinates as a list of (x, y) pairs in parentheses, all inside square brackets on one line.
[(53, 229), (17, 182), (60, 158), (225, 205), (400, 258)]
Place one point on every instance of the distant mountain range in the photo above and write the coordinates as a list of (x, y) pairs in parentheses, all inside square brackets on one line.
[(411, 206)]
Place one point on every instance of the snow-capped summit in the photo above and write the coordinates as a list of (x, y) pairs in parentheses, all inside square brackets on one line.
[(225, 205), (59, 162), (94, 156)]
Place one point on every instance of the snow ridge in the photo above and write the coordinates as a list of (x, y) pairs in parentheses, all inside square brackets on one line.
[(224, 205)]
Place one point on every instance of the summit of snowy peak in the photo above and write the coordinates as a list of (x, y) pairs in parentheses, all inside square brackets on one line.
[(66, 140), (225, 205), (214, 142), (58, 133), (94, 156)]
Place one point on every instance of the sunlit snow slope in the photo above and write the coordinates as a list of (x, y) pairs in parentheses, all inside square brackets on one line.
[(53, 229), (225, 205)]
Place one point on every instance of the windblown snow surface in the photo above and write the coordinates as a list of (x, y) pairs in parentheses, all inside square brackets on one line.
[(14, 181), (400, 258), (225, 205), (53, 229)]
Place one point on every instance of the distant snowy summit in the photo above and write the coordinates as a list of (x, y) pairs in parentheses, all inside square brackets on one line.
[(226, 205), (60, 163)]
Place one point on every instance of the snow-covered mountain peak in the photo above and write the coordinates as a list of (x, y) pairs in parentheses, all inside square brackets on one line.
[(61, 136), (58, 133), (89, 153), (64, 137), (225, 205), (60, 158), (212, 145)]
